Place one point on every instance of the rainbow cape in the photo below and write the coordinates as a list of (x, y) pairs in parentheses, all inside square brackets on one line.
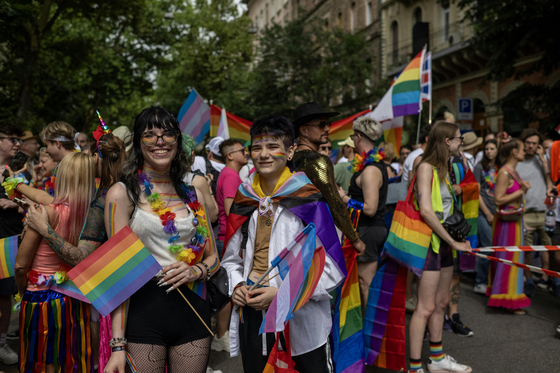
[(9, 247), (115, 271), (300, 265), (296, 194)]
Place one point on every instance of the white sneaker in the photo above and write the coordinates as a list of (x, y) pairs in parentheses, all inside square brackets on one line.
[(210, 370), (7, 355), (480, 289), (447, 365), (410, 304), (418, 371), (221, 344)]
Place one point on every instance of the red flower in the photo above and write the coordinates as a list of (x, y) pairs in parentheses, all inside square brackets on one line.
[(167, 216), (195, 205), (33, 276)]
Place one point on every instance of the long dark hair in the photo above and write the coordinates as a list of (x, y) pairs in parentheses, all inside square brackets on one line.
[(149, 118), (506, 149), (113, 155), (485, 162)]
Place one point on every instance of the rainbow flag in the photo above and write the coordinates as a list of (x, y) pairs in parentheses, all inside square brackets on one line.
[(70, 289), (115, 271), (341, 129), (392, 132), (468, 200), (403, 97), (9, 246), (194, 117), (348, 338), (301, 266), (238, 128)]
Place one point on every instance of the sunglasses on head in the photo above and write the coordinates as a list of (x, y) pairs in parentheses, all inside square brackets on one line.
[(151, 139)]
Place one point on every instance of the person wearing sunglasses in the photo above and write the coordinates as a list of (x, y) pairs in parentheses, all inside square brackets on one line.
[(326, 149), (311, 126)]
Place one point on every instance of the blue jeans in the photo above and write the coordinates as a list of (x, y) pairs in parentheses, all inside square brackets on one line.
[(484, 240)]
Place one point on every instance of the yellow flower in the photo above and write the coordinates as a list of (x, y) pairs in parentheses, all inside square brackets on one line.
[(186, 256), (157, 204), (163, 211)]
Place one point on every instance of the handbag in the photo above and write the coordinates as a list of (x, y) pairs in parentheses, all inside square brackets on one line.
[(281, 361), (217, 291), (409, 237), (456, 224), (511, 214)]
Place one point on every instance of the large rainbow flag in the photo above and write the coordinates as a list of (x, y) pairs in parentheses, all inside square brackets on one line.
[(300, 265), (238, 128), (341, 129), (115, 271), (9, 247), (403, 97)]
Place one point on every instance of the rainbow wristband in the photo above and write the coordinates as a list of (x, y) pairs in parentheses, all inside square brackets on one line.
[(118, 348)]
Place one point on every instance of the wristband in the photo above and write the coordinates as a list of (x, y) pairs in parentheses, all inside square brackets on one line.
[(201, 271), (207, 270), (118, 348), (113, 342), (356, 205)]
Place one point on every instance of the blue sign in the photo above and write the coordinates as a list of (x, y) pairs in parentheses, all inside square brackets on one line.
[(465, 106)]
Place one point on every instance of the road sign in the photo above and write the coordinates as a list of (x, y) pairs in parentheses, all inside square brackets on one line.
[(465, 106)]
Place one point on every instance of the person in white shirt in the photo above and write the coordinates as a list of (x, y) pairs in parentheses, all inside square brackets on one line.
[(471, 142), (407, 173)]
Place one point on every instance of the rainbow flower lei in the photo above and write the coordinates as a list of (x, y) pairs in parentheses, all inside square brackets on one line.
[(193, 251), (361, 161), (40, 279)]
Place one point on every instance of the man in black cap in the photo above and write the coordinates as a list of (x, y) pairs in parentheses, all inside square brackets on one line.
[(311, 126)]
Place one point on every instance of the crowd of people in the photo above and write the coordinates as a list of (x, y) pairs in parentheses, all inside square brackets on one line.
[(237, 206)]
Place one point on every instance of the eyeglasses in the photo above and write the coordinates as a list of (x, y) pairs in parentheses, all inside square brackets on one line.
[(151, 139), (322, 124), (239, 150), (14, 140), (326, 147), (457, 137)]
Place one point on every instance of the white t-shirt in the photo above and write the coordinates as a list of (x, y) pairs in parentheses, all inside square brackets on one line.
[(199, 165), (409, 161), (342, 160), (470, 160), (478, 157)]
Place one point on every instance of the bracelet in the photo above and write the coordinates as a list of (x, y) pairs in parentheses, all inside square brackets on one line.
[(118, 348), (119, 340), (207, 271), (201, 271)]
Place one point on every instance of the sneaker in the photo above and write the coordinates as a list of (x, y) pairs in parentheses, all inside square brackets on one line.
[(410, 304), (529, 289), (12, 335), (447, 365), (555, 289), (542, 284), (7, 355), (221, 344), (210, 370), (460, 329), (480, 289), (418, 371), (448, 324)]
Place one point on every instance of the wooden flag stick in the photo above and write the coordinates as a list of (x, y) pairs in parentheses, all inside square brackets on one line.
[(190, 305)]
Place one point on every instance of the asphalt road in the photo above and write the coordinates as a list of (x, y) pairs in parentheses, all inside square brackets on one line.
[(502, 342)]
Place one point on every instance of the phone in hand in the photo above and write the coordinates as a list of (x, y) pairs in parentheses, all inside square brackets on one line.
[(18, 161), (19, 200)]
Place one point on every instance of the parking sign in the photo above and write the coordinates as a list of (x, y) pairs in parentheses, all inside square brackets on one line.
[(465, 106)]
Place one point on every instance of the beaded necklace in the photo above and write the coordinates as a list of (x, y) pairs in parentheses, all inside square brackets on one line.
[(361, 161), (193, 251), (490, 178)]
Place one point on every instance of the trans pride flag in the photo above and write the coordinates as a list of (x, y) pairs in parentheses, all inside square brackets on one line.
[(9, 247), (194, 117), (115, 271), (300, 266), (403, 97)]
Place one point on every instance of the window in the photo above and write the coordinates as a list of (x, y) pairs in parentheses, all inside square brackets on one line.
[(272, 8), (261, 25), (340, 20), (352, 11), (418, 15), (395, 34), (266, 15), (445, 16), (369, 12), (257, 23)]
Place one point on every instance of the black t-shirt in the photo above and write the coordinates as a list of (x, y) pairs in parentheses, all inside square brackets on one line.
[(377, 220), (11, 221)]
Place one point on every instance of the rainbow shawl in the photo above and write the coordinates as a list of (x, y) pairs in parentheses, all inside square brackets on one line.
[(468, 200), (295, 193)]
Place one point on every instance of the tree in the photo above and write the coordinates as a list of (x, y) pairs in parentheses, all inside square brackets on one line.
[(301, 62), (508, 29)]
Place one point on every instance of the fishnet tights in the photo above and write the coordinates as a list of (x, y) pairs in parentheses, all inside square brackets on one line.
[(191, 357)]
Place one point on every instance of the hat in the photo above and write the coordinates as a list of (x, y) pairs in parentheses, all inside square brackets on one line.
[(214, 145), (348, 142), (123, 133), (470, 140), (369, 127), (27, 135), (307, 112)]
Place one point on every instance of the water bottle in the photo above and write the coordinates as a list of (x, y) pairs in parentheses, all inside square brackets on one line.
[(550, 216)]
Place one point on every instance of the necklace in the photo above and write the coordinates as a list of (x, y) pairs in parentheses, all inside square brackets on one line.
[(361, 161), (193, 252)]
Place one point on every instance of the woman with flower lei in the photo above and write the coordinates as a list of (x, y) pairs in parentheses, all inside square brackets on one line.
[(485, 173), (369, 203), (54, 336), (156, 326)]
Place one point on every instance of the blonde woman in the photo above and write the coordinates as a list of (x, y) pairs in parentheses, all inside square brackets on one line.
[(54, 335)]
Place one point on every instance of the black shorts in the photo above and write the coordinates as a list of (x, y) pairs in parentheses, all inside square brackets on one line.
[(374, 239), (157, 318), (8, 286), (443, 259)]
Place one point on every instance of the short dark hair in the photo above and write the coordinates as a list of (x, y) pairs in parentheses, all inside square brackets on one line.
[(530, 132), (226, 144), (274, 125), (424, 132), (9, 129)]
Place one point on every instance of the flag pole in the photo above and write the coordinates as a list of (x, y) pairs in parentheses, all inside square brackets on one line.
[(430, 118), (190, 305), (418, 129), (420, 103)]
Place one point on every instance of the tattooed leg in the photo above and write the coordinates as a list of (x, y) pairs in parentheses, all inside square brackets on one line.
[(454, 292)]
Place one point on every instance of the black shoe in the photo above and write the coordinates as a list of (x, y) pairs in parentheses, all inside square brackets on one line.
[(460, 329), (555, 288), (12, 335), (543, 284), (529, 289)]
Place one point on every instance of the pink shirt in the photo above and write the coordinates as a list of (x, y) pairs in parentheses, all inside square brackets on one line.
[(228, 183)]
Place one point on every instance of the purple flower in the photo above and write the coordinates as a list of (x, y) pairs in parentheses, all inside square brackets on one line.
[(195, 249), (170, 227), (142, 177)]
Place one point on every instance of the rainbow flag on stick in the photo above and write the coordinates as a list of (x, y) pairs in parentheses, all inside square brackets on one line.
[(341, 129), (115, 271), (301, 266), (9, 246), (238, 128)]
